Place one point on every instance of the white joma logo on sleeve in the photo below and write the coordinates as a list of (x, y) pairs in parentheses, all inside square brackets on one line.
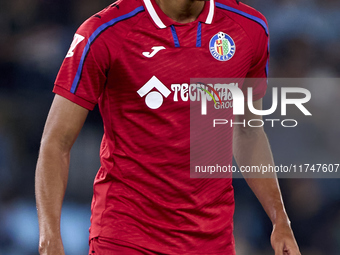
[(76, 40)]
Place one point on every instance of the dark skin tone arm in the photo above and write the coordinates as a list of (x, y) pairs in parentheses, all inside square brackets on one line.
[(251, 148), (62, 127)]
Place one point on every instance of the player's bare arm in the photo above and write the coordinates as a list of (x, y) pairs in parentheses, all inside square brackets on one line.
[(62, 127), (251, 147)]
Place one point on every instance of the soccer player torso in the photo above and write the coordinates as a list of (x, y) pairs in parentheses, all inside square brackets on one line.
[(137, 65)]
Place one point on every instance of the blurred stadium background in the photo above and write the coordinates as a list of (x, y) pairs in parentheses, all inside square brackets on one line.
[(35, 36)]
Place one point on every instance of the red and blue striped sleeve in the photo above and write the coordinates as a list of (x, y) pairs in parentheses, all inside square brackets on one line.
[(82, 76)]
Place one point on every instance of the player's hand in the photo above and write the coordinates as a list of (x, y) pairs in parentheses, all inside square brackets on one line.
[(54, 247), (283, 240)]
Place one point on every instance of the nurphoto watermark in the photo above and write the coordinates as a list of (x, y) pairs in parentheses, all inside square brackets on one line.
[(291, 110)]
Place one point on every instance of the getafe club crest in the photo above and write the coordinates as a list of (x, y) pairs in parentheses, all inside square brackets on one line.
[(222, 46)]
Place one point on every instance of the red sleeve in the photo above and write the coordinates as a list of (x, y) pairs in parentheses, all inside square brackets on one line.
[(82, 75), (259, 67)]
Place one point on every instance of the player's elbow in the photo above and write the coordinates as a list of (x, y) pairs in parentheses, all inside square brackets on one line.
[(55, 144)]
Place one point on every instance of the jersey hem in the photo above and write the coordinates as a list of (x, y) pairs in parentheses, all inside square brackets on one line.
[(229, 251), (72, 97)]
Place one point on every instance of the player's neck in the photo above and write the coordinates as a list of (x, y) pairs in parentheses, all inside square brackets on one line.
[(182, 11)]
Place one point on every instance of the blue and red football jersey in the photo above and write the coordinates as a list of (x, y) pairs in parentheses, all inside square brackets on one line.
[(136, 64)]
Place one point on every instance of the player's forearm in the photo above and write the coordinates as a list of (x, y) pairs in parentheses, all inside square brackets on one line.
[(50, 185), (251, 148)]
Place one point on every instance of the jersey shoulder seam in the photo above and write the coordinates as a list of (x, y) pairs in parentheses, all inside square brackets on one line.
[(112, 22), (261, 20), (245, 31), (123, 37)]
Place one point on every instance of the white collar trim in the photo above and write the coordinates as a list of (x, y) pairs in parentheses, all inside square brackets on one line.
[(154, 14), (159, 22), (211, 12)]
